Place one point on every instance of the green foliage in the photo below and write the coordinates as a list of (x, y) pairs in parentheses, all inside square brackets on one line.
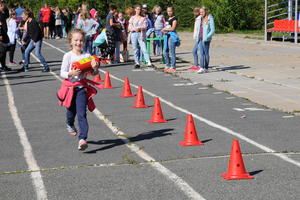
[(229, 15)]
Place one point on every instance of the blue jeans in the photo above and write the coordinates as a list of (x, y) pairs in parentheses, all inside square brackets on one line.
[(139, 46), (29, 49), (170, 49), (157, 43), (195, 54), (204, 53), (78, 106), (88, 44)]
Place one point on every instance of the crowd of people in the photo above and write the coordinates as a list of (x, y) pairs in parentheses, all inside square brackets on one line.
[(104, 37)]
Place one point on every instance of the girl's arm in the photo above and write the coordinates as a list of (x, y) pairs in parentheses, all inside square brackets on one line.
[(130, 26), (173, 28), (64, 69), (212, 27)]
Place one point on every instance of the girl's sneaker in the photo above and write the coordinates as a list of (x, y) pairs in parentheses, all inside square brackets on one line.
[(171, 70), (72, 130), (82, 145), (166, 69), (202, 70), (12, 63), (194, 68)]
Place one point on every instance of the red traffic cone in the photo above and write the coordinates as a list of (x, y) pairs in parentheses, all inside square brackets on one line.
[(126, 89), (190, 136), (107, 82), (236, 168), (157, 114), (139, 101), (97, 78)]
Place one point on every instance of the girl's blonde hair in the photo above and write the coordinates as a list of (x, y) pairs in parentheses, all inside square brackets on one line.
[(129, 11), (156, 7), (205, 9), (72, 32)]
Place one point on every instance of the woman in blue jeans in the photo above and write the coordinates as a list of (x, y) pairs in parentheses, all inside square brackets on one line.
[(35, 34), (138, 27), (205, 31), (171, 40)]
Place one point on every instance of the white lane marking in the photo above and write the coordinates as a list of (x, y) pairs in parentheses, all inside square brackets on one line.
[(218, 93), (36, 177), (183, 84), (238, 109), (213, 124), (179, 182), (230, 98), (202, 88), (149, 69), (238, 92), (217, 126), (288, 116), (256, 109), (137, 70)]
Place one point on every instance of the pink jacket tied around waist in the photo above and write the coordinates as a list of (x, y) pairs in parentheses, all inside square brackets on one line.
[(66, 92)]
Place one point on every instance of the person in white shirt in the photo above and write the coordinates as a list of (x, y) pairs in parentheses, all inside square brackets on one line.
[(12, 29)]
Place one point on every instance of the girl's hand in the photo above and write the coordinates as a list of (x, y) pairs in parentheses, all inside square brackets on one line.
[(75, 72), (95, 65)]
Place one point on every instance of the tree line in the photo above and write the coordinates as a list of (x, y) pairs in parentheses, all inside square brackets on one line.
[(229, 15)]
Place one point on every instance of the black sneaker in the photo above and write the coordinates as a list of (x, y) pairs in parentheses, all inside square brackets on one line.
[(6, 69), (46, 70), (137, 66)]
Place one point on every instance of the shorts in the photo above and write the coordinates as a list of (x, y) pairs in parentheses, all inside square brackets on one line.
[(45, 24)]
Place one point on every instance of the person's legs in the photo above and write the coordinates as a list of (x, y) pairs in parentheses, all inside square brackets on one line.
[(172, 48), (201, 53), (12, 49), (39, 55), (195, 55), (158, 34), (71, 112), (27, 52), (166, 54), (81, 104), (135, 46), (206, 52), (144, 50)]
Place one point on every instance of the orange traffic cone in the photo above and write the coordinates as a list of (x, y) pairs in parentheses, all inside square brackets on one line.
[(107, 82), (97, 78), (139, 101), (190, 136), (126, 89), (157, 114), (236, 168)]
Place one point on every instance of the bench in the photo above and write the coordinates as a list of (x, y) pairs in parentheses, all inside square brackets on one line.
[(282, 26)]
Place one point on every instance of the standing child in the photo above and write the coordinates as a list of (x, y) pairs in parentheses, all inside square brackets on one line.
[(171, 40), (12, 34), (124, 23), (204, 33), (195, 37), (77, 80), (159, 23)]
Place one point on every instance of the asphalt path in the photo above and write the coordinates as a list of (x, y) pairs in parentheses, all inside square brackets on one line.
[(118, 166)]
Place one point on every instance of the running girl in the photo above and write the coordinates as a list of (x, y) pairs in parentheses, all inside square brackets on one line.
[(81, 90)]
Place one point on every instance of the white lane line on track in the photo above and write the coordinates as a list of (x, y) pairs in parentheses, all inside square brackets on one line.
[(210, 123), (238, 109), (37, 180), (179, 182)]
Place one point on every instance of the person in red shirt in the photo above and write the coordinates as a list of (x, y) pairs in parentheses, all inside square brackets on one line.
[(46, 14)]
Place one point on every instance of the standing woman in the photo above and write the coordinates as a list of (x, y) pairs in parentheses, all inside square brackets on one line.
[(58, 23), (35, 34), (204, 33), (195, 37), (138, 27), (171, 40), (12, 29), (159, 24)]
